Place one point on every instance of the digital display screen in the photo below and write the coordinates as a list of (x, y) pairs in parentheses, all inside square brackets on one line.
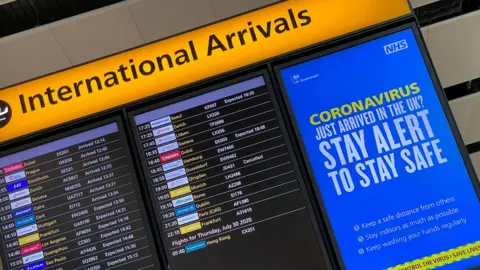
[(226, 191), (385, 160), (73, 203)]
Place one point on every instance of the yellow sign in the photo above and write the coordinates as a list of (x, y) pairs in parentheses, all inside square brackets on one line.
[(443, 258), (180, 191), (190, 228), (184, 59), (28, 239)]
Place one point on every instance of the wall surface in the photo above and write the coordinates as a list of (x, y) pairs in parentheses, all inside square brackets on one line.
[(455, 51)]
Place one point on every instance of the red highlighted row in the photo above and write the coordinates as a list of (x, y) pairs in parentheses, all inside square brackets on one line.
[(170, 156), (31, 248), (13, 168)]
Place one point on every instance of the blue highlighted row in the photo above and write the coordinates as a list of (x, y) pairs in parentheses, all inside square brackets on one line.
[(36, 266), (25, 221), (17, 185), (185, 209), (196, 246), (23, 212)]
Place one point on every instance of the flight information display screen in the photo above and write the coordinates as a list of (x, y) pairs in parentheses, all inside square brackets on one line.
[(226, 191), (387, 165), (73, 203)]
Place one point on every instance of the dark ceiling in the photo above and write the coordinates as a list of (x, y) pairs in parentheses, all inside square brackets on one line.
[(22, 15), (444, 10)]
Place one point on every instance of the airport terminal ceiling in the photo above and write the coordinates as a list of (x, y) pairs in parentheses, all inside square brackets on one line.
[(21, 15)]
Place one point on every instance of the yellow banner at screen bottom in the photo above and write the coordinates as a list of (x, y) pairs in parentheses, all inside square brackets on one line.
[(443, 258)]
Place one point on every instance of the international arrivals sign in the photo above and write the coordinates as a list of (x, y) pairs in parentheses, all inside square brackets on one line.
[(181, 60)]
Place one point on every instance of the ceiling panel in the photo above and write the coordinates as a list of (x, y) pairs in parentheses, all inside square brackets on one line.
[(454, 48), (157, 19), (21, 15), (98, 33), (419, 3), (30, 54), (228, 8), (464, 110), (476, 162)]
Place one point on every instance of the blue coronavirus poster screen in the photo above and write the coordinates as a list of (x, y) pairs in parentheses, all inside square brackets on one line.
[(387, 166)]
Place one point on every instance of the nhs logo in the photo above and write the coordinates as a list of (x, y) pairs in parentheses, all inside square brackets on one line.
[(395, 47)]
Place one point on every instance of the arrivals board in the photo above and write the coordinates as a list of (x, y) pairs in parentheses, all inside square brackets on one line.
[(226, 192), (388, 167), (73, 203)]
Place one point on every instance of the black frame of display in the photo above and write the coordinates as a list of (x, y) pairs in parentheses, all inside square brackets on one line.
[(196, 91), (92, 123), (319, 53)]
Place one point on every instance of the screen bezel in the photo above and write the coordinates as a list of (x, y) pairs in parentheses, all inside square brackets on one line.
[(72, 129), (162, 101), (318, 53)]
